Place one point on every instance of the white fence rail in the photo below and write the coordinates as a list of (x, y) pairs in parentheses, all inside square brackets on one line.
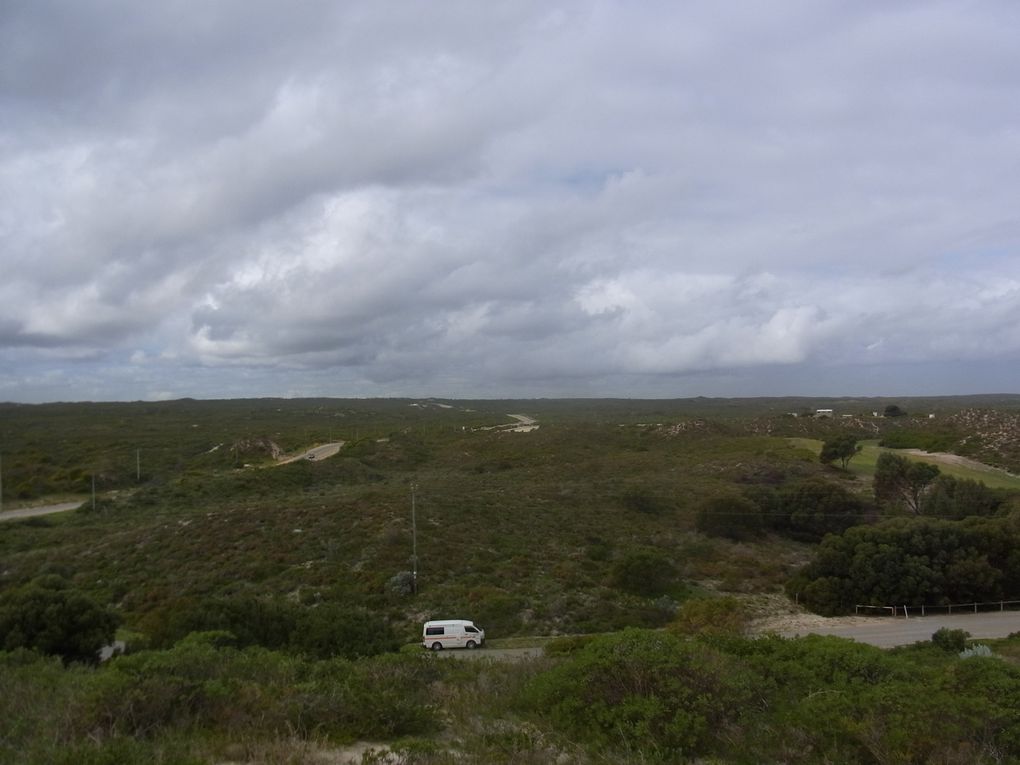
[(931, 610)]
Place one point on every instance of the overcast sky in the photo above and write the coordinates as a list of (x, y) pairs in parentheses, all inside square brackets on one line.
[(484, 199)]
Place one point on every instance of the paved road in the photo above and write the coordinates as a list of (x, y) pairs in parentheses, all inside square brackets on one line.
[(29, 512), (889, 632), (317, 453), (881, 632)]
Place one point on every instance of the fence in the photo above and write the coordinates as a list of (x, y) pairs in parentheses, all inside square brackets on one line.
[(929, 610)]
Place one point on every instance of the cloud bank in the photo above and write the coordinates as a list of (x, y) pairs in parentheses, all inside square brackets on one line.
[(598, 198)]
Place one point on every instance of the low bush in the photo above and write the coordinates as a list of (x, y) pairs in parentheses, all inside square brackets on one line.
[(202, 684), (710, 617), (644, 572), (647, 691), (950, 641), (569, 644), (732, 517)]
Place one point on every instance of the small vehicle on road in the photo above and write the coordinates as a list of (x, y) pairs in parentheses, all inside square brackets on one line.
[(451, 633)]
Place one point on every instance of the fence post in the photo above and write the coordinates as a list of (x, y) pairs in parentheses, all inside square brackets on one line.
[(975, 608)]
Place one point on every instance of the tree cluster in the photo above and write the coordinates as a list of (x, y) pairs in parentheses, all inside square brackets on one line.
[(805, 510), (920, 488), (913, 562)]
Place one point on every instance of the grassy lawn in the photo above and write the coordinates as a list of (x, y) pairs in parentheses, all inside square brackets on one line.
[(863, 465)]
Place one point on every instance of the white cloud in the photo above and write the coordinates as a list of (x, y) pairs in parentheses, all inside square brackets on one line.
[(524, 199)]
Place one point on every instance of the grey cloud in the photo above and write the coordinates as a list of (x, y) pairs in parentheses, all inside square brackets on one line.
[(555, 197)]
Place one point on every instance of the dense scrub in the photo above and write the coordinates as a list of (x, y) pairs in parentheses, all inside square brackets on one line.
[(575, 527), (200, 695), (638, 696), (256, 598), (913, 562), (775, 700)]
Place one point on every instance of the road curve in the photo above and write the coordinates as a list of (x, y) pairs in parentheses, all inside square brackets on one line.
[(31, 512), (316, 453)]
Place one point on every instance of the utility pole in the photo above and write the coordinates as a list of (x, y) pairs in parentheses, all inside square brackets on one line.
[(1, 483), (138, 465), (93, 492), (414, 543)]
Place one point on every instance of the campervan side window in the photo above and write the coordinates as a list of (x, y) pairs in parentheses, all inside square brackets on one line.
[(434, 631)]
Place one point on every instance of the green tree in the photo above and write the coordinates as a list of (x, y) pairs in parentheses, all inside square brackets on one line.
[(843, 448), (50, 617), (951, 497), (810, 509), (894, 410), (902, 482)]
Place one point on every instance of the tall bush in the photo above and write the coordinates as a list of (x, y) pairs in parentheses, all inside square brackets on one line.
[(49, 616)]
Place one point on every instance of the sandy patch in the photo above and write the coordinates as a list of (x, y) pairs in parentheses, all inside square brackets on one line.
[(792, 623), (955, 459)]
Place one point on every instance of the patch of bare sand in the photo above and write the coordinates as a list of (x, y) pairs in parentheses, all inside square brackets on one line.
[(955, 459), (791, 623), (774, 612)]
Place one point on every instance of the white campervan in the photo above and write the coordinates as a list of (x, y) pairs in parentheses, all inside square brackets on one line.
[(451, 633)]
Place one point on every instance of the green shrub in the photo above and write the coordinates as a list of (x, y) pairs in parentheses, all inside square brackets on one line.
[(644, 572), (253, 621), (201, 684), (647, 691), (808, 510), (568, 644), (731, 516), (332, 630), (48, 616), (642, 500), (710, 617), (950, 641)]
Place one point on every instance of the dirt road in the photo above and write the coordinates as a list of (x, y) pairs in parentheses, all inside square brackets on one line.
[(887, 632), (30, 512)]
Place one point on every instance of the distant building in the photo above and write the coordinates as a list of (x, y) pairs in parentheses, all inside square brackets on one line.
[(823, 413)]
